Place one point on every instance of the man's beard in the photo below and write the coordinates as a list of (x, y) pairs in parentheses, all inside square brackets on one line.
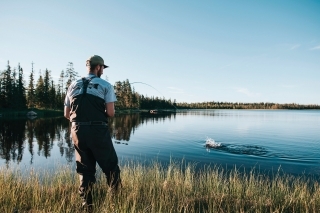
[(99, 73)]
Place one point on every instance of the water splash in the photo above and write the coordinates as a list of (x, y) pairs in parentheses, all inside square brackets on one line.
[(210, 143)]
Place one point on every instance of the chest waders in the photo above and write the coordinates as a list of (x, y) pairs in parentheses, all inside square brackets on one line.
[(87, 101), (94, 148)]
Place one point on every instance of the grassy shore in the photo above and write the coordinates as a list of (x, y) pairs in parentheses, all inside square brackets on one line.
[(158, 188)]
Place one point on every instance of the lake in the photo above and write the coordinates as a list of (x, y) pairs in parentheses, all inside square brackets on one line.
[(262, 139)]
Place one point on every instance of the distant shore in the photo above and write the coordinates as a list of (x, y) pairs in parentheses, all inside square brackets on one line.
[(9, 113)]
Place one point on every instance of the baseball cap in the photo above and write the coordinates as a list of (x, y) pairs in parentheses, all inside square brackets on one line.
[(96, 60)]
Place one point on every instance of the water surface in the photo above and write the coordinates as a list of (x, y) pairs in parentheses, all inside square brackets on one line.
[(263, 139)]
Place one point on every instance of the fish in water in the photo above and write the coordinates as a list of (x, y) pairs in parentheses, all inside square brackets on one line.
[(210, 143)]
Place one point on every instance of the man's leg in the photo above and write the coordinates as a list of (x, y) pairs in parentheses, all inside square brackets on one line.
[(86, 177), (106, 156), (113, 178), (86, 164)]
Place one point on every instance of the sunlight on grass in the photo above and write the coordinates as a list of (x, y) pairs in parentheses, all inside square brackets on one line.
[(176, 187)]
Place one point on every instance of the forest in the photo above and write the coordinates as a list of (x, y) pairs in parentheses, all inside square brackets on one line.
[(18, 94)]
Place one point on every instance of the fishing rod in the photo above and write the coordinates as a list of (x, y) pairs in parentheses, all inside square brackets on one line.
[(147, 85), (153, 88)]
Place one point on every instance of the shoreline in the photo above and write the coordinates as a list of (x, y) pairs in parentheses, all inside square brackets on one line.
[(52, 112)]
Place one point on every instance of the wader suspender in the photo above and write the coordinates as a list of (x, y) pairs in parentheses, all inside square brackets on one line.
[(85, 84)]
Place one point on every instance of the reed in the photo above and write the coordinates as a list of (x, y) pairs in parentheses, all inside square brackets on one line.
[(175, 187)]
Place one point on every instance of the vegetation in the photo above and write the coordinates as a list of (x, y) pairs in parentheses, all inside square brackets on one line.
[(230, 105), (12, 90), (15, 95), (127, 98), (45, 94), (158, 188)]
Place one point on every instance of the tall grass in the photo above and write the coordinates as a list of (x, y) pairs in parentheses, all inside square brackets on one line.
[(161, 188)]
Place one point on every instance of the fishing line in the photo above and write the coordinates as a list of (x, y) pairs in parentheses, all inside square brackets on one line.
[(153, 88), (147, 85)]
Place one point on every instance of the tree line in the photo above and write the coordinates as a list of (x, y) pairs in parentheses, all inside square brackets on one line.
[(128, 98), (43, 94), (46, 94), (238, 105)]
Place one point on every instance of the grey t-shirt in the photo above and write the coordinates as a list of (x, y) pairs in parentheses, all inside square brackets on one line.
[(91, 105), (97, 87)]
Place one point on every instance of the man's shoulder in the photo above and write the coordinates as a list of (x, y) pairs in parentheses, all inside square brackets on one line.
[(73, 83), (101, 82)]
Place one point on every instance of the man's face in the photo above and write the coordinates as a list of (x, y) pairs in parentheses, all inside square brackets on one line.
[(100, 71)]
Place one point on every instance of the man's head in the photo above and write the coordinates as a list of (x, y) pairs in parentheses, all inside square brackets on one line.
[(95, 65)]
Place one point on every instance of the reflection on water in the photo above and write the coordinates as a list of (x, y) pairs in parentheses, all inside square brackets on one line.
[(121, 126), (12, 140), (247, 138), (39, 135)]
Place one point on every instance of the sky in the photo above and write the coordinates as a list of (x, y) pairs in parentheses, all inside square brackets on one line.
[(188, 51)]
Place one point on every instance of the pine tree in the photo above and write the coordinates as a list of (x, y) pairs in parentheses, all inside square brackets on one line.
[(52, 95), (46, 86), (2, 91), (13, 98), (61, 90), (127, 94), (59, 102), (22, 101), (71, 74), (7, 87), (39, 92), (135, 99), (31, 89), (118, 90)]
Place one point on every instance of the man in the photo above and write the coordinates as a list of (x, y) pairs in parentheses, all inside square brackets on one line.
[(88, 104)]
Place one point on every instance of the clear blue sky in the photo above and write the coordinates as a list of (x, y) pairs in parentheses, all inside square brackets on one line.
[(191, 51)]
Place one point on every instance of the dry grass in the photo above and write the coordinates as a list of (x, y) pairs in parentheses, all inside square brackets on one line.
[(158, 188)]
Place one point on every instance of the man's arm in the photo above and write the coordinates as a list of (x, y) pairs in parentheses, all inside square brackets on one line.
[(67, 112), (110, 109)]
